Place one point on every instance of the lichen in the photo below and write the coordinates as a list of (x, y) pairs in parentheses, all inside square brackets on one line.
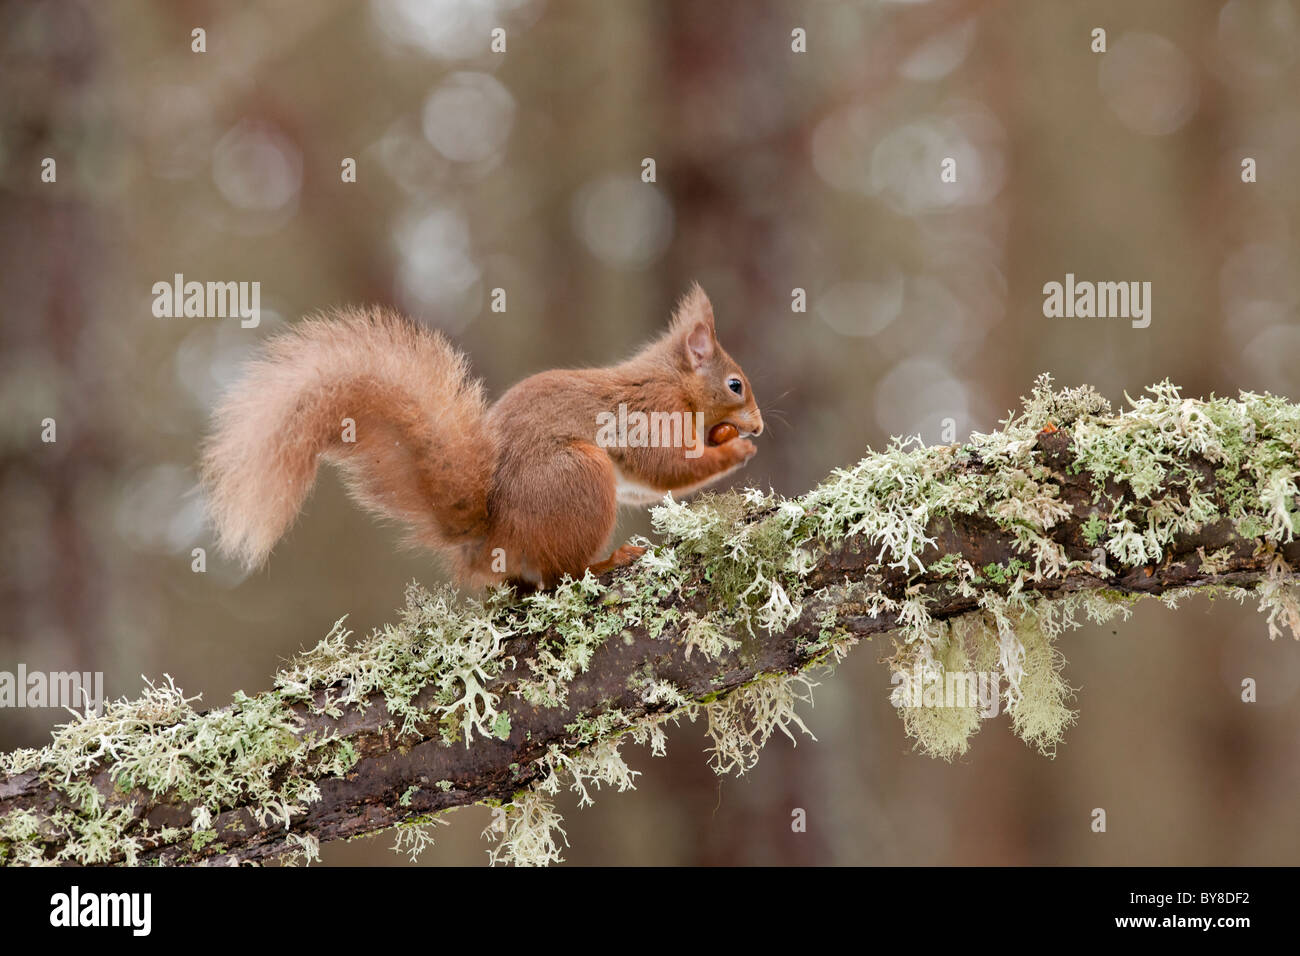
[(741, 722), (528, 835), (415, 835), (726, 570)]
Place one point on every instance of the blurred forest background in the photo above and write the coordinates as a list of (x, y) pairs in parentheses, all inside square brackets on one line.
[(776, 170)]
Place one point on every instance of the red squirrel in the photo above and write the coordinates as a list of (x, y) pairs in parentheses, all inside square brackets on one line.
[(521, 491)]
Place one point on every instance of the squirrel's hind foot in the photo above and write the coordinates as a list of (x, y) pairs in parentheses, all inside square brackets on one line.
[(621, 558)]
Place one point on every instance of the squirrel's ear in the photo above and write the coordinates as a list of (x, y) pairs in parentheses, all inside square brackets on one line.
[(693, 326), (694, 307), (699, 345)]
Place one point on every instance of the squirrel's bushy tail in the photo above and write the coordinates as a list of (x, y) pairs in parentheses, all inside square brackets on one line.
[(420, 453)]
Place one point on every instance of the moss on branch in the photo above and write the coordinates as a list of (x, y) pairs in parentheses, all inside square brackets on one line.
[(974, 557)]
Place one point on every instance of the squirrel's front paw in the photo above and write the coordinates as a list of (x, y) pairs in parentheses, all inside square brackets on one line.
[(739, 451)]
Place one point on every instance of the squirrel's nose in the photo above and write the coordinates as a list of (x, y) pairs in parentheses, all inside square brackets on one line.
[(758, 425)]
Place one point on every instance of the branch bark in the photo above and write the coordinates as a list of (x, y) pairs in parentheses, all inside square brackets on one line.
[(376, 793)]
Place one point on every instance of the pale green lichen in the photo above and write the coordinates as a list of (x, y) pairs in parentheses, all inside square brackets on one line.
[(528, 832), (412, 837), (453, 646), (304, 849), (749, 555), (741, 722)]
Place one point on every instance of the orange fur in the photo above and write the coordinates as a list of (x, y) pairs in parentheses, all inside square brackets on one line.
[(519, 491)]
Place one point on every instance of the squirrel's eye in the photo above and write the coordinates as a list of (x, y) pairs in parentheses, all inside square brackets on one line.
[(735, 385)]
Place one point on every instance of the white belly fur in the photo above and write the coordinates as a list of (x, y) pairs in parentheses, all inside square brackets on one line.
[(632, 492)]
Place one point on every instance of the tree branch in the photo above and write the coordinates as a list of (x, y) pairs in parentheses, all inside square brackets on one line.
[(1067, 500)]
